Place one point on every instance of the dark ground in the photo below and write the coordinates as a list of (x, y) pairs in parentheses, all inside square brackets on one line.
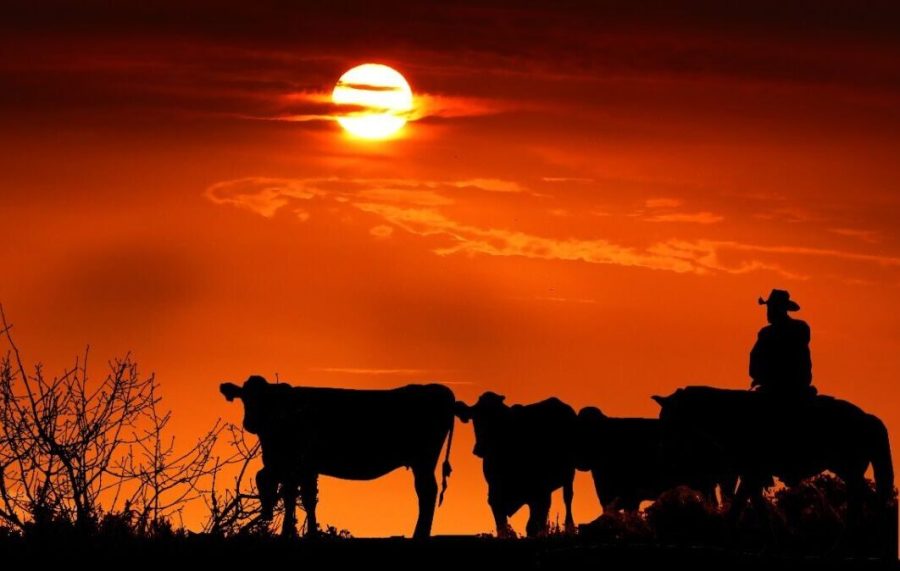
[(461, 553)]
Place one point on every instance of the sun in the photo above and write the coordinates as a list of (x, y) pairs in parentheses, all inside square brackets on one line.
[(376, 98)]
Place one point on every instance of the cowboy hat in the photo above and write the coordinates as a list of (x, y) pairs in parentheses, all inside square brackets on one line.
[(780, 299)]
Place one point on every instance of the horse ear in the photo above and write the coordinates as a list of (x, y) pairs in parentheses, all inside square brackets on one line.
[(462, 411)]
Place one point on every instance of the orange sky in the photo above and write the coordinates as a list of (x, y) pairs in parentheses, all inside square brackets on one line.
[(587, 206)]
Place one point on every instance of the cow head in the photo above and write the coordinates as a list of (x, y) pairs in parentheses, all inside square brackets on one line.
[(253, 395), (488, 416), (666, 405)]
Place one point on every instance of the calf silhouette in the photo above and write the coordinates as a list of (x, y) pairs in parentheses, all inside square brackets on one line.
[(348, 434), (624, 456), (527, 453)]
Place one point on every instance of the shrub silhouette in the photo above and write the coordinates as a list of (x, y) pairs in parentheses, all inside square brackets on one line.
[(815, 518), (684, 516)]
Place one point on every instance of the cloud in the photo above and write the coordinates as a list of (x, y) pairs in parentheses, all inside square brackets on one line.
[(367, 371), (305, 106), (381, 231), (405, 196), (689, 217), (664, 211), (886, 261), (792, 215), (662, 203), (870, 236), (262, 195), (414, 206), (490, 185), (468, 239), (427, 105), (557, 299), (266, 196), (570, 179)]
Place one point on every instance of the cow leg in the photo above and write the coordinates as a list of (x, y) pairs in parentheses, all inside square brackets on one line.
[(289, 496), (726, 489), (630, 504), (568, 494), (741, 495), (708, 493), (309, 495), (501, 521), (267, 487), (612, 506), (426, 490), (538, 514)]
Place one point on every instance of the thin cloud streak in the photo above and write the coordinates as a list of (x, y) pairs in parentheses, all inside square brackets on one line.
[(413, 206), (368, 371), (687, 217)]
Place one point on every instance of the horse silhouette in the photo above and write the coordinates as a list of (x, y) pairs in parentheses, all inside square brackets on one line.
[(792, 439), (348, 434)]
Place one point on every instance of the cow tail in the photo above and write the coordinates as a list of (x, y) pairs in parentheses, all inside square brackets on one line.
[(446, 469), (882, 464)]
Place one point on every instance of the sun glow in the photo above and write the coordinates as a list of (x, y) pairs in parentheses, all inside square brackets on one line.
[(376, 101)]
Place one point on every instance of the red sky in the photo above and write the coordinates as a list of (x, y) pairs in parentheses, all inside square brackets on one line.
[(587, 206)]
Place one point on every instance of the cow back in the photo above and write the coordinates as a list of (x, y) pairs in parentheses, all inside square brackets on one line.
[(363, 434)]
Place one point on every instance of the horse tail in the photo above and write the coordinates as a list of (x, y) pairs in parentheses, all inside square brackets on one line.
[(882, 464), (446, 469)]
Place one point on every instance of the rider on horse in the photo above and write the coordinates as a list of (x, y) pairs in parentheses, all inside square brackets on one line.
[(780, 362)]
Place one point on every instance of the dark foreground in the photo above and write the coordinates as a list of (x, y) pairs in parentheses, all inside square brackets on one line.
[(460, 553)]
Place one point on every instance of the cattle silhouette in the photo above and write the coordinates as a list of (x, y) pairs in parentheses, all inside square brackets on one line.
[(763, 436), (348, 434), (527, 453), (626, 461)]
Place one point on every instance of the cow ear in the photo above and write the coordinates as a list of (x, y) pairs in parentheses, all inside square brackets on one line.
[(462, 411), (590, 412), (660, 400), (230, 390)]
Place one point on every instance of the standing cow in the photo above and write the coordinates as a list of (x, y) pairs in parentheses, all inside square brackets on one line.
[(626, 461), (527, 453), (348, 434)]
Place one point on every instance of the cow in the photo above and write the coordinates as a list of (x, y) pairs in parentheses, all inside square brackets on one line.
[(764, 437), (624, 456), (305, 432), (527, 453)]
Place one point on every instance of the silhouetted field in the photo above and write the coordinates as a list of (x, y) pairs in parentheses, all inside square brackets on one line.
[(90, 478), (802, 529), (457, 552)]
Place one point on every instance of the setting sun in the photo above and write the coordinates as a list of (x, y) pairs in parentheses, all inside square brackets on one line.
[(378, 101)]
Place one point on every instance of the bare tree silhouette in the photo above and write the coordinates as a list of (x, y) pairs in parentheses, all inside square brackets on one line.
[(236, 509), (69, 444)]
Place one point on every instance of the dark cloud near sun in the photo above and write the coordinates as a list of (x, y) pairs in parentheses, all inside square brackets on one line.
[(241, 57)]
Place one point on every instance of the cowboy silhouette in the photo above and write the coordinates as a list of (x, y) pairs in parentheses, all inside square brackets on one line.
[(780, 362)]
